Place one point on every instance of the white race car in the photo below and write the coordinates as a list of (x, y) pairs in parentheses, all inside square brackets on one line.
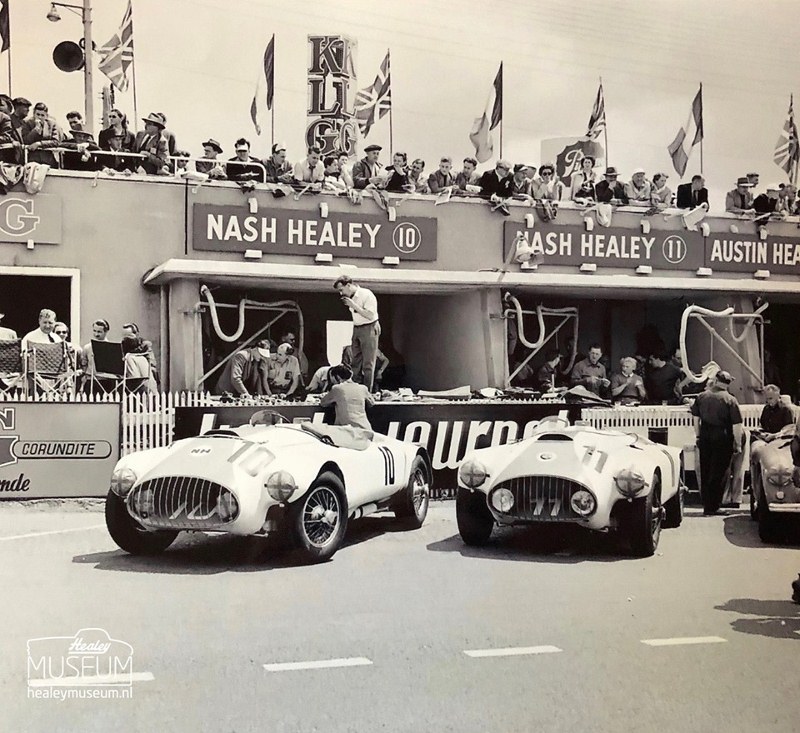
[(259, 478), (599, 479)]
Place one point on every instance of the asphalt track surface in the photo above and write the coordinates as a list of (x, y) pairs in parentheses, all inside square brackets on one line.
[(411, 631)]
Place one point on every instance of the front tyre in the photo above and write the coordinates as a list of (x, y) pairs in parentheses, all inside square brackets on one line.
[(645, 521), (319, 519), (673, 509), (129, 534), (767, 521), (475, 521), (412, 505)]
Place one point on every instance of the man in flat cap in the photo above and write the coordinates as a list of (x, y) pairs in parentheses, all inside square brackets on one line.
[(366, 170), (718, 426), (19, 117), (152, 143)]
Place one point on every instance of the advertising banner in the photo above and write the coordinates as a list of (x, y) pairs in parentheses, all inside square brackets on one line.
[(26, 218), (57, 449), (331, 90), (279, 231), (447, 431), (612, 247), (566, 154), (748, 253)]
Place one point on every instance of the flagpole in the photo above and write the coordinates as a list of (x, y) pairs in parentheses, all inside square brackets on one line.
[(135, 105), (9, 70), (272, 106), (391, 105), (703, 120), (605, 123), (502, 83)]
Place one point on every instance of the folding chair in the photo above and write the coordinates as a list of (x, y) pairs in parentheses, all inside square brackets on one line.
[(106, 367), (51, 369), (138, 374), (12, 372)]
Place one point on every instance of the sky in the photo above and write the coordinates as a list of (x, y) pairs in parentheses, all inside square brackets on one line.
[(198, 61)]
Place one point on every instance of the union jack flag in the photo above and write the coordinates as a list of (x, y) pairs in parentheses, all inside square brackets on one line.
[(375, 101), (597, 120), (787, 150), (117, 54)]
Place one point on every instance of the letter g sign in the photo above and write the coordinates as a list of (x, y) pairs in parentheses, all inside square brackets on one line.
[(16, 217)]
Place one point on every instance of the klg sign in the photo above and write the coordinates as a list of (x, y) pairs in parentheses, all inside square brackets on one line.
[(331, 87)]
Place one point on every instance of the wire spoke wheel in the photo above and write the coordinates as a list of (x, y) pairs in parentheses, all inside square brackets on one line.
[(321, 516), (421, 492)]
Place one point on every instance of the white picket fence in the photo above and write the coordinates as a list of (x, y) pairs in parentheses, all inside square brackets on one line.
[(657, 416)]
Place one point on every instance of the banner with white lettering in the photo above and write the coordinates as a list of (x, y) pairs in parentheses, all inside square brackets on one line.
[(612, 247), (286, 232), (747, 253), (57, 449), (447, 431), (25, 218)]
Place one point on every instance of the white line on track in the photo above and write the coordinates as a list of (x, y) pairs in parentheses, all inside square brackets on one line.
[(517, 651), (679, 640), (319, 664), (54, 531), (114, 679)]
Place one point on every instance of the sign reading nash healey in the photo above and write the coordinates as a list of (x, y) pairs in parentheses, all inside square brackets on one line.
[(279, 231), (612, 247), (26, 218), (57, 450)]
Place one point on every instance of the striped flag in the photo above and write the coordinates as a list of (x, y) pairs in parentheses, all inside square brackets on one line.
[(787, 150), (597, 120), (688, 136), (117, 55), (492, 116), (265, 86), (5, 26), (375, 101)]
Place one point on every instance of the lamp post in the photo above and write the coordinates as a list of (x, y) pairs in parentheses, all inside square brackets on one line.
[(85, 11)]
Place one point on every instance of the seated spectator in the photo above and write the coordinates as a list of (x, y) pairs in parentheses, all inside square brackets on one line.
[(590, 372), (209, 164), (246, 373), (547, 374), (547, 187), (181, 162), (582, 183), (691, 195), (497, 182), (153, 145), (661, 380), (86, 367), (740, 199), (397, 182), (117, 138), (610, 190), (138, 375), (520, 183), (468, 175), (44, 333), (775, 416), (787, 199), (333, 182), (351, 399), (6, 334), (662, 193), (767, 203), (416, 177), (81, 146), (627, 387), (11, 142), (366, 170), (443, 177), (132, 329), (62, 331), (345, 171), (639, 190), (19, 116), (284, 371), (43, 134), (172, 144), (311, 170), (244, 167), (278, 169)]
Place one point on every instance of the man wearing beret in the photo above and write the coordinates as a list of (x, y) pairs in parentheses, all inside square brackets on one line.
[(366, 170), (718, 426)]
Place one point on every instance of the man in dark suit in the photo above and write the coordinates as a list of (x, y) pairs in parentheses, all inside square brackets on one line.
[(497, 182), (610, 189), (11, 142), (367, 168), (691, 195), (151, 143)]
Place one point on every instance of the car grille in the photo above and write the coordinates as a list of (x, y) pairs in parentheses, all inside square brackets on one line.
[(542, 498), (181, 502)]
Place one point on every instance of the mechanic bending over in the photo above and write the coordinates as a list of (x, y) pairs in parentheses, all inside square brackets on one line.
[(351, 399)]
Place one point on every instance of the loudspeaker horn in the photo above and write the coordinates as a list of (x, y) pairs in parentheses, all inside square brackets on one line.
[(68, 56)]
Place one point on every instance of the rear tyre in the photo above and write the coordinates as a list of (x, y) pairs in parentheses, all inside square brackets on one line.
[(411, 507), (673, 509), (129, 534), (645, 521), (475, 521), (319, 519), (754, 489), (767, 521)]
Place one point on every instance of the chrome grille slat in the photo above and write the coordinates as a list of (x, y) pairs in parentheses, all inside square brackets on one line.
[(531, 492), (180, 495)]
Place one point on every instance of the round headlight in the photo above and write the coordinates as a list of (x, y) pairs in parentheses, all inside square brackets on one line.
[(472, 473), (122, 481), (503, 500), (280, 485), (629, 481), (583, 502)]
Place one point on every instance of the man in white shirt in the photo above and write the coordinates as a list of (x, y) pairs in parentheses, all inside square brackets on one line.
[(6, 334), (363, 307), (310, 170), (44, 334)]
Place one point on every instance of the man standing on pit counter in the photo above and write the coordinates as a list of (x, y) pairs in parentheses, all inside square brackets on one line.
[(363, 307)]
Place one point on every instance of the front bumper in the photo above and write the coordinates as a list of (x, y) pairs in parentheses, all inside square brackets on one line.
[(784, 507)]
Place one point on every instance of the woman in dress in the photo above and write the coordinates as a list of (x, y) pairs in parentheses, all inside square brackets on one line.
[(583, 181)]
